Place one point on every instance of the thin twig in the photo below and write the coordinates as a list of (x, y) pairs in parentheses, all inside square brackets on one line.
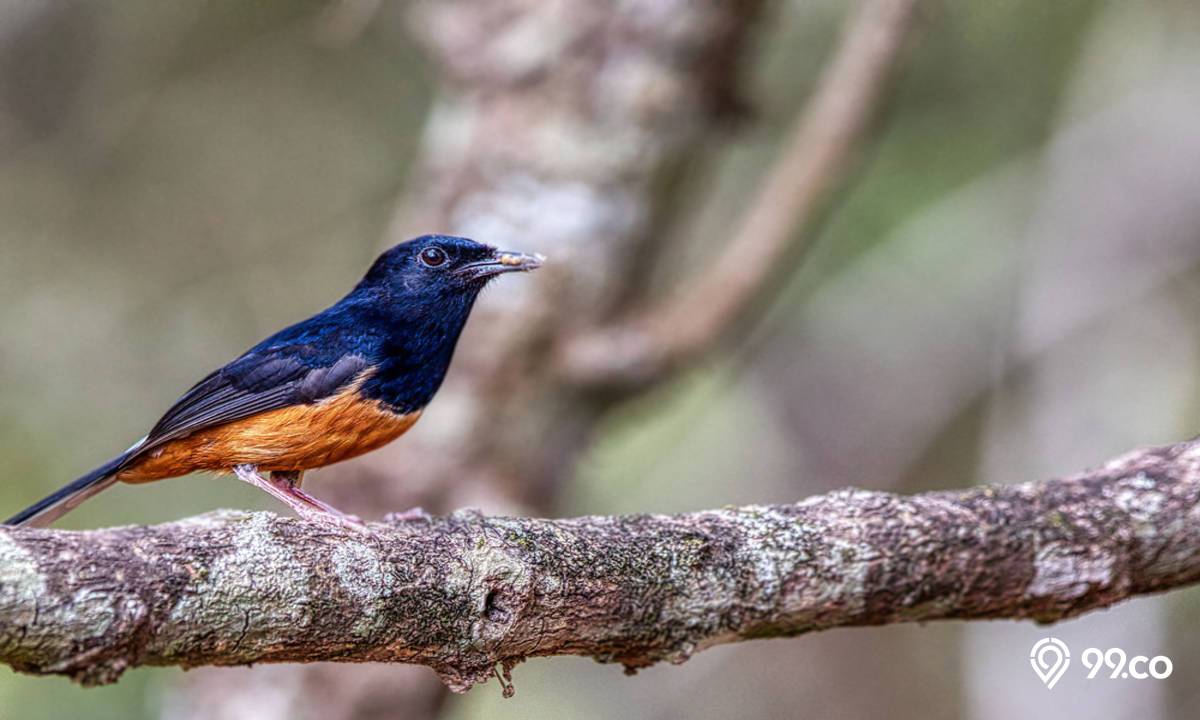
[(815, 161)]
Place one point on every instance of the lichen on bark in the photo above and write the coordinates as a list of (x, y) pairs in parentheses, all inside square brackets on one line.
[(471, 596)]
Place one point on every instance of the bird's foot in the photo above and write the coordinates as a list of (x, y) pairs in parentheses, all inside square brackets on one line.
[(285, 487), (311, 508), (409, 515)]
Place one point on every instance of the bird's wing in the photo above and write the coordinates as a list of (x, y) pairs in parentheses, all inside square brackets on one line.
[(257, 382)]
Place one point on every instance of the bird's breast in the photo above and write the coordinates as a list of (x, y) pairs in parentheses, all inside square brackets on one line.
[(300, 437)]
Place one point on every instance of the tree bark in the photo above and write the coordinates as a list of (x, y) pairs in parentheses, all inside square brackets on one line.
[(470, 596)]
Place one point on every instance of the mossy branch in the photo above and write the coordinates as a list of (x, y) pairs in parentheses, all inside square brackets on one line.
[(468, 594)]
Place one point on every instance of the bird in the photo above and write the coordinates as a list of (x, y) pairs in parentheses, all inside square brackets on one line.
[(342, 383)]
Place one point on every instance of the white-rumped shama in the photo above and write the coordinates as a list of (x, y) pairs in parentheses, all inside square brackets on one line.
[(342, 383)]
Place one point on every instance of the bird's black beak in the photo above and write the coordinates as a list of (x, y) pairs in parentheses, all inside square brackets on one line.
[(502, 261)]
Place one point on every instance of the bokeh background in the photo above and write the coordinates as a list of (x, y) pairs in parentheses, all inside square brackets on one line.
[(1008, 290)]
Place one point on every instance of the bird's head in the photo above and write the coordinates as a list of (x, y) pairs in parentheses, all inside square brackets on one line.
[(442, 266)]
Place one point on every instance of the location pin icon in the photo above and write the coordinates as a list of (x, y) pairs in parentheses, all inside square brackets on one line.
[(1050, 658)]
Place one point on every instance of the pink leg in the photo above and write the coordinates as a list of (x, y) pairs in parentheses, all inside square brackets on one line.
[(290, 483), (286, 489)]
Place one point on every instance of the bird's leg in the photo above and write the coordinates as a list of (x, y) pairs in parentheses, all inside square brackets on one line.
[(303, 504), (249, 474), (292, 477), (289, 482)]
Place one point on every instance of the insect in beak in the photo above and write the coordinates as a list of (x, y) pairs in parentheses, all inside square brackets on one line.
[(502, 261)]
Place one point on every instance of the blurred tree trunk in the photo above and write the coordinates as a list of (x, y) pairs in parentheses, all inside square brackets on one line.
[(552, 124)]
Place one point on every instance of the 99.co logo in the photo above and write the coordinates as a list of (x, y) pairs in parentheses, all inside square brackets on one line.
[(1050, 658), (1139, 667)]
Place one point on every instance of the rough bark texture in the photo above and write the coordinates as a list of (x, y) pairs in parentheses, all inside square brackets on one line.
[(467, 594)]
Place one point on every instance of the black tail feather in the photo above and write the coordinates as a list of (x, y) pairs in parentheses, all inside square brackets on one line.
[(67, 498)]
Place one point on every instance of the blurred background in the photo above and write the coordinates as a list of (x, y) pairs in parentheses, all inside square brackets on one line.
[(1006, 290)]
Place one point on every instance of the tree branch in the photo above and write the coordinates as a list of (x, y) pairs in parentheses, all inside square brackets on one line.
[(466, 593), (779, 223)]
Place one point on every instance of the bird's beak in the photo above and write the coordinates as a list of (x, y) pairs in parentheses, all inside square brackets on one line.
[(502, 261)]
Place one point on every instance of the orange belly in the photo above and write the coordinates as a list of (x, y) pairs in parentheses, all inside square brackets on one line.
[(292, 438)]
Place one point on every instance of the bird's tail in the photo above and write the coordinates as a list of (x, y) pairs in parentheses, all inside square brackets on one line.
[(68, 497)]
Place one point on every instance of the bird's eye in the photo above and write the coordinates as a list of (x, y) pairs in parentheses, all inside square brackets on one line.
[(433, 256)]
